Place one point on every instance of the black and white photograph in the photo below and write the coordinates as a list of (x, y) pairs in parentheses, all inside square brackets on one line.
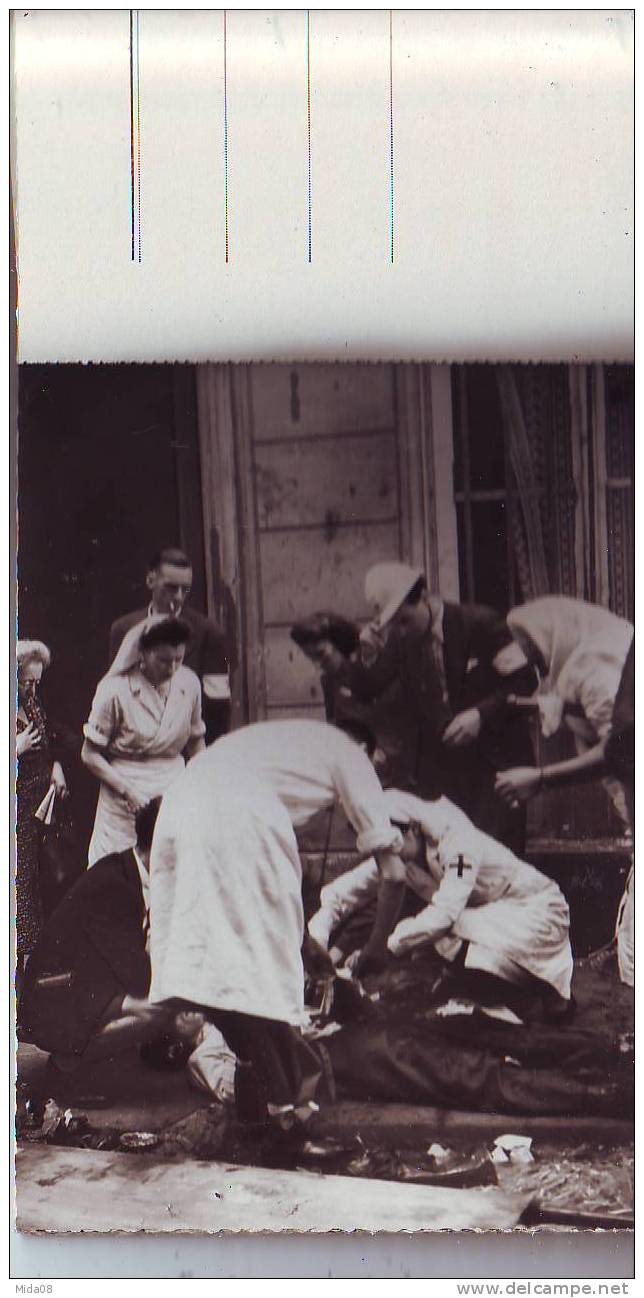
[(322, 660), (325, 741)]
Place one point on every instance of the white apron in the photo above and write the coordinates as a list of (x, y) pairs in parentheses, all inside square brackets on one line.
[(113, 824)]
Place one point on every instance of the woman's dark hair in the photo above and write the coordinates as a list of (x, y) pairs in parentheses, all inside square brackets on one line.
[(342, 634), (144, 823), (416, 591), (170, 631), (359, 731)]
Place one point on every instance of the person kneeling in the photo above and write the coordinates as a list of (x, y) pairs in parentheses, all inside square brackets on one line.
[(86, 984), (504, 921)]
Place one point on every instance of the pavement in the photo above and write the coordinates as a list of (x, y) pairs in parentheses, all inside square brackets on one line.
[(73, 1190)]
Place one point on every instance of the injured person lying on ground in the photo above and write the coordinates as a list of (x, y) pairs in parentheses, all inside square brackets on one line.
[(500, 926), (394, 1041), (474, 1011)]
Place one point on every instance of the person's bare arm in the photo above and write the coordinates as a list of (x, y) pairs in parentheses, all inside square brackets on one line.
[(391, 890), (195, 744), (523, 782)]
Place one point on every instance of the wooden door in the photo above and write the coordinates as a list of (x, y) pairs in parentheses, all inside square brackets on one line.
[(310, 474)]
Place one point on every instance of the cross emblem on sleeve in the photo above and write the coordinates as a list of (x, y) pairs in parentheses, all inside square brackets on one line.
[(460, 865)]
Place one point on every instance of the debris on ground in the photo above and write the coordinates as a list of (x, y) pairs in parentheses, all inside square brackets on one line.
[(514, 1149), (138, 1142), (585, 1180), (200, 1135), (458, 1170), (571, 1187)]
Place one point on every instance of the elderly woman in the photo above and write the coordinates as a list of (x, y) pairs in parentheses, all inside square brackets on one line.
[(38, 770), (144, 721), (580, 652)]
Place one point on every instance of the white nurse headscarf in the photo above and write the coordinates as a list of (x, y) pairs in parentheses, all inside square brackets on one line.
[(129, 651), (558, 627)]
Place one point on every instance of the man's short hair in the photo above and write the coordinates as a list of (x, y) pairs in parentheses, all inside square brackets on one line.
[(169, 554), (144, 823)]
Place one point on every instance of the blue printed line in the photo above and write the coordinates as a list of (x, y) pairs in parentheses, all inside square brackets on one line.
[(135, 137)]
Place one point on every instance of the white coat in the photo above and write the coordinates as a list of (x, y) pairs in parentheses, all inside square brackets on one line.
[(225, 876)]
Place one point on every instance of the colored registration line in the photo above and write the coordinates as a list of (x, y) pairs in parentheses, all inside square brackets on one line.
[(135, 139), (226, 137), (135, 136)]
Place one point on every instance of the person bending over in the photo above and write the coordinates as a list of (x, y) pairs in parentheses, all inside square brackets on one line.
[(475, 901), (456, 666), (585, 660), (86, 983), (227, 921), (331, 643)]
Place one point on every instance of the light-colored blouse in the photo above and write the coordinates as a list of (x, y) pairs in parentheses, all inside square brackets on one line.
[(130, 718), (583, 649)]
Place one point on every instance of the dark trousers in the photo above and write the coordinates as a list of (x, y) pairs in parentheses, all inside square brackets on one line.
[(277, 1067), (399, 1064)]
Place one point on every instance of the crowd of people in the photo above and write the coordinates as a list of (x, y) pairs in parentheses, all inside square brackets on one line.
[(190, 913)]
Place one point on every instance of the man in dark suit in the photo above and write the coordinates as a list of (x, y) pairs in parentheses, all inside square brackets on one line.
[(458, 667), (168, 580), (84, 995)]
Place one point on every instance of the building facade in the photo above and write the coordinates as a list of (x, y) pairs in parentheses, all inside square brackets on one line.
[(286, 482)]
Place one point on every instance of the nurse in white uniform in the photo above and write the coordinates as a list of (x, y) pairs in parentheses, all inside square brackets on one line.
[(476, 891)]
